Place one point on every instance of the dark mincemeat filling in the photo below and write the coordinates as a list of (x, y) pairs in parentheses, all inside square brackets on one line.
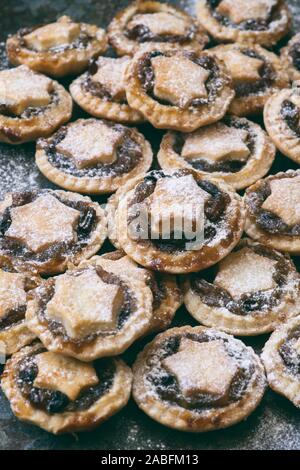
[(266, 220), (45, 293), (129, 153), (290, 113), (249, 25), (142, 33), (295, 55), (252, 302), (214, 210), (87, 223), (96, 88), (166, 386), (267, 74), (228, 166), (213, 84), (158, 289), (289, 355), (13, 317), (52, 401), (31, 111)]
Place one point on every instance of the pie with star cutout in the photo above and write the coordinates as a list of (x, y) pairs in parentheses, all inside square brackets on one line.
[(31, 105), (262, 22), (235, 150), (290, 57), (43, 230), (61, 394), (93, 156), (151, 22), (92, 311), (57, 49), (250, 292), (197, 379), (256, 74), (273, 211), (176, 89)]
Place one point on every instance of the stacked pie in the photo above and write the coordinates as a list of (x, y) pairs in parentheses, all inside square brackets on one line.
[(200, 220)]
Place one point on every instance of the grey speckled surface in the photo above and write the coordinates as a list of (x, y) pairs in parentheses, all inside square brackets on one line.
[(274, 425)]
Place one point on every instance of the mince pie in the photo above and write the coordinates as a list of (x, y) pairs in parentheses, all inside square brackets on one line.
[(57, 49), (43, 230), (31, 105), (235, 150), (273, 211), (179, 222), (198, 379), (256, 74), (90, 311), (281, 357), (154, 22), (282, 121), (101, 91), (180, 90), (14, 290), (61, 394), (257, 21), (290, 57), (250, 292), (93, 156), (166, 294)]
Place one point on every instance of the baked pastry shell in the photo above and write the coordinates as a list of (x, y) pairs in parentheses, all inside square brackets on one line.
[(287, 60)]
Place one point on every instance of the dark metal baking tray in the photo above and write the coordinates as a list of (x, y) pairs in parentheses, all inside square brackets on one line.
[(274, 425)]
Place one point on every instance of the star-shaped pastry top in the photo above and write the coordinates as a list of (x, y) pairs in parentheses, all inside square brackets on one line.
[(21, 88), (245, 271), (60, 33), (84, 304), (42, 223), (111, 74), (12, 292), (64, 374), (284, 200), (243, 10), (160, 24), (89, 142), (179, 80), (202, 368), (176, 205), (242, 67), (217, 142)]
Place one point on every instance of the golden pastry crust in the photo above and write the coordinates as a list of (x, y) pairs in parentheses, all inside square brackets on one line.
[(257, 165), (282, 374), (21, 128), (271, 77), (66, 422), (42, 261), (107, 340), (279, 241), (167, 297), (283, 135), (176, 411), (278, 27), (65, 61), (181, 259), (171, 116), (196, 40), (95, 178), (286, 56), (275, 304)]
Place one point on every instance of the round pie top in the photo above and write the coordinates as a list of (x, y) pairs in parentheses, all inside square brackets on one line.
[(290, 57)]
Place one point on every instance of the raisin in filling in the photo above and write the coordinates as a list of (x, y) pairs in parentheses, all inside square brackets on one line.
[(30, 112), (228, 166), (166, 385), (86, 225), (290, 113), (45, 293), (288, 353), (129, 154), (158, 289), (52, 401), (13, 317), (213, 84), (249, 303), (252, 24), (295, 55), (214, 211), (267, 77), (264, 219)]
